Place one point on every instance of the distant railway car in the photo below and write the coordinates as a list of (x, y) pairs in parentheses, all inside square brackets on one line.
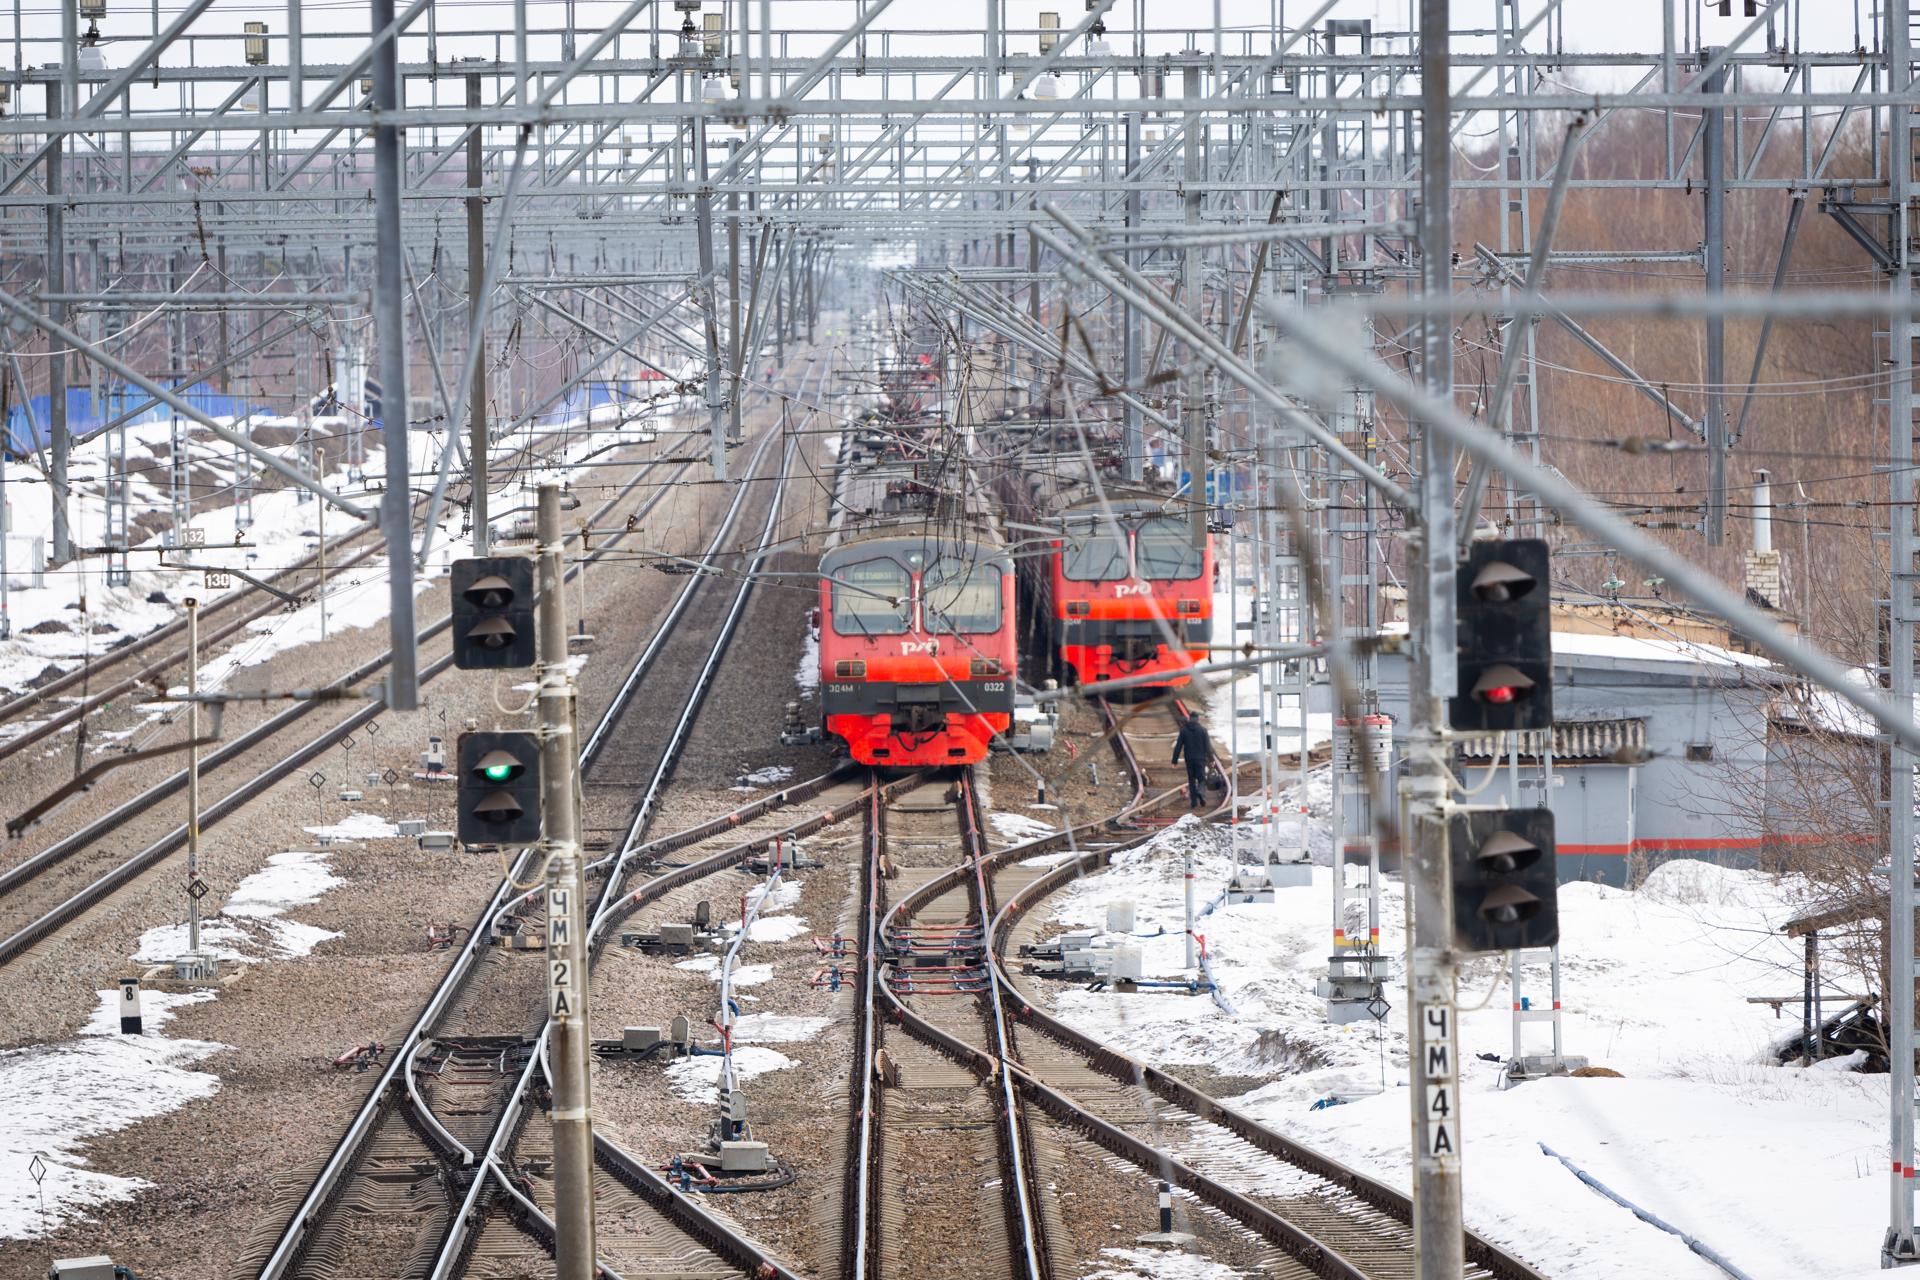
[(1123, 590), (1131, 595), (917, 634)]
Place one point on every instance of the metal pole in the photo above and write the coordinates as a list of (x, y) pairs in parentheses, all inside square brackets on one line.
[(738, 339), (571, 1057), (389, 312), (320, 474), (1435, 1098), (193, 780), (1713, 159), (703, 221), (1900, 1246), (1194, 418), (476, 306), (1133, 457), (57, 284)]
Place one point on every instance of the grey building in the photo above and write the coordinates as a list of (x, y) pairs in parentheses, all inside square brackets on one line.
[(1659, 750)]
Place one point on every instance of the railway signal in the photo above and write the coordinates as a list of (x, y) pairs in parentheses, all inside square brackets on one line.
[(1505, 638), (1505, 879), (493, 613), (499, 801)]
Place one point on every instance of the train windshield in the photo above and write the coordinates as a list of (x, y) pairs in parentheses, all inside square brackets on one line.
[(1164, 550), (961, 596), (872, 598), (1094, 554)]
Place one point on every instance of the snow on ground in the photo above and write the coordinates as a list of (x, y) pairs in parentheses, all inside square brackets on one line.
[(697, 1079), (807, 674), (1146, 1263), (250, 926), (770, 775), (776, 1028), (1018, 828), (356, 826), (746, 975), (777, 929), (1781, 1170), (781, 897), (60, 1095)]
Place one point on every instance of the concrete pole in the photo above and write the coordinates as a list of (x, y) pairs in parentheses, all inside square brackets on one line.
[(569, 1047), (1434, 1091), (1713, 159), (390, 320), (193, 779), (476, 303)]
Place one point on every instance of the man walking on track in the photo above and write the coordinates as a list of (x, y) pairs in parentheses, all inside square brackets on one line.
[(1197, 747)]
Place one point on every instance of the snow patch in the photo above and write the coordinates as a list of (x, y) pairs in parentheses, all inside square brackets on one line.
[(1018, 828), (59, 1096), (777, 1028), (698, 1079), (357, 826), (777, 929), (249, 928), (1159, 1264)]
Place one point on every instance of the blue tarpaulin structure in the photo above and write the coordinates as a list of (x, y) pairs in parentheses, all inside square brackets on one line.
[(26, 432)]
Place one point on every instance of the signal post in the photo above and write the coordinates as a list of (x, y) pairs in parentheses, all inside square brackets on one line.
[(569, 1046), (517, 789)]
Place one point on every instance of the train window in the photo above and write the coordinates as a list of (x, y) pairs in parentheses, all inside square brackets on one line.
[(1164, 550), (961, 596), (1094, 555), (873, 598)]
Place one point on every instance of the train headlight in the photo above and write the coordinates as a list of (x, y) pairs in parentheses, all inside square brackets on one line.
[(987, 667), (1189, 606), (850, 670), (1078, 608)]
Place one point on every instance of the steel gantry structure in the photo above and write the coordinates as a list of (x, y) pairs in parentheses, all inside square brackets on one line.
[(1232, 238)]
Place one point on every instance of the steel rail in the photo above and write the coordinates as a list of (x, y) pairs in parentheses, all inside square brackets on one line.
[(14, 707), (85, 706), (468, 1218), (12, 946), (857, 1227), (333, 1176), (1025, 1196), (1299, 1244)]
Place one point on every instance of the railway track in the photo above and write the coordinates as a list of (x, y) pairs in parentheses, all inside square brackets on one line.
[(1331, 1220), (935, 1126), (28, 917), (491, 1213)]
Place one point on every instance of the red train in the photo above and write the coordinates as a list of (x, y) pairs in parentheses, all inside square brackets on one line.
[(1124, 590), (917, 638), (1129, 594)]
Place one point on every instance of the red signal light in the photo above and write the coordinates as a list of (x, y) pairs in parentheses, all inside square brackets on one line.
[(1499, 693)]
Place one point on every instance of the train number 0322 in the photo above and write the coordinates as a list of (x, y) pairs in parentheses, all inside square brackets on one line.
[(994, 686)]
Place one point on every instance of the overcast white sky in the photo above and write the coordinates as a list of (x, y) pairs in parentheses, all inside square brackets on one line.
[(1590, 25)]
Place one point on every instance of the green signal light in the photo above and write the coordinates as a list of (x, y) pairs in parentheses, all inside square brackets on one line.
[(498, 772)]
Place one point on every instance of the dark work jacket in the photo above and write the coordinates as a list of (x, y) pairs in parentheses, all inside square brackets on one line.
[(1193, 741)]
